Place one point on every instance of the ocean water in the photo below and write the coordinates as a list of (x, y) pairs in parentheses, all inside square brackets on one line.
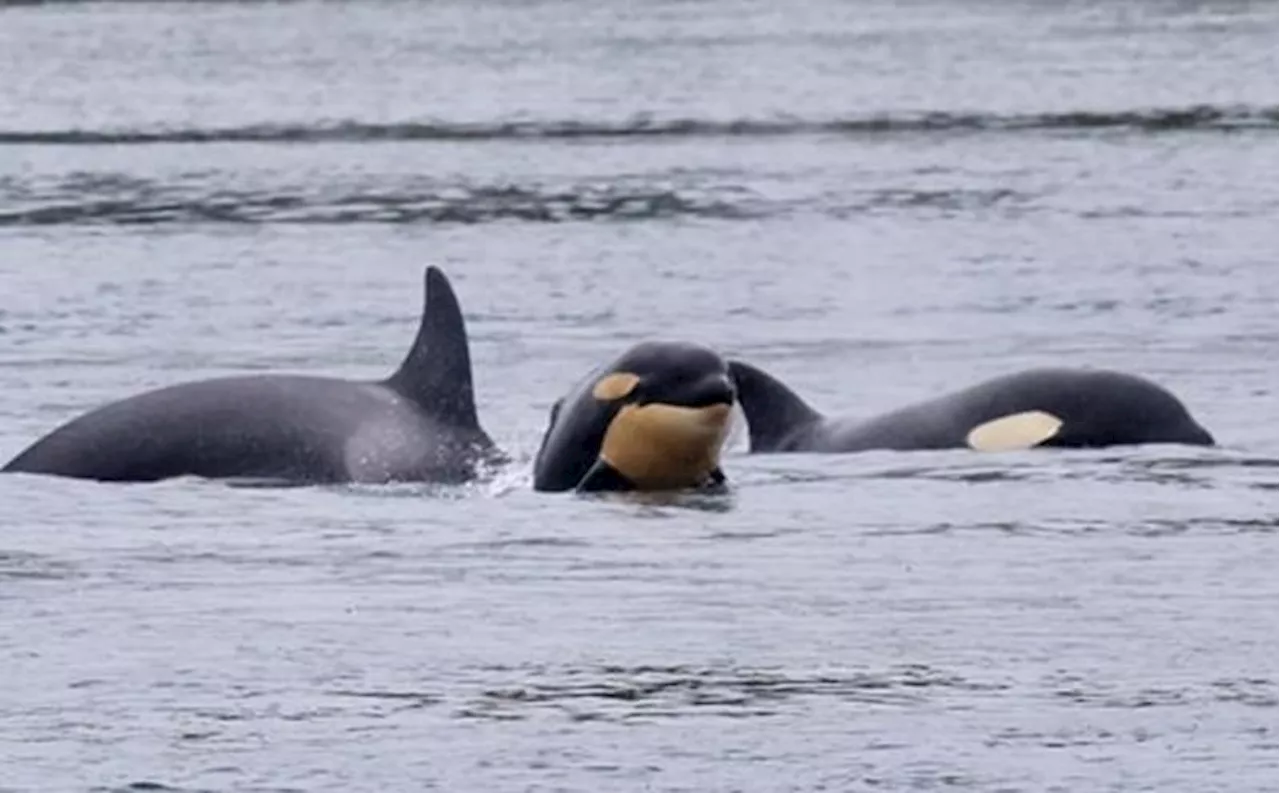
[(876, 201)]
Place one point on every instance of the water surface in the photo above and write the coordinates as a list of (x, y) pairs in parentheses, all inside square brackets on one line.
[(875, 201)]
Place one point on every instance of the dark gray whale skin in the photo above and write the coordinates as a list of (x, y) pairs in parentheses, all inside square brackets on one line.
[(1097, 407), (418, 425)]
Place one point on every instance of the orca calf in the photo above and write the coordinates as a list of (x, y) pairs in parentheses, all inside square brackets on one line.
[(655, 418)]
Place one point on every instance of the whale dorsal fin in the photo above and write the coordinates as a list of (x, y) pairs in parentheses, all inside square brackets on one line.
[(772, 409), (436, 374)]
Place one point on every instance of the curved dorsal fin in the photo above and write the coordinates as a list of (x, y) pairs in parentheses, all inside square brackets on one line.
[(772, 409), (436, 374)]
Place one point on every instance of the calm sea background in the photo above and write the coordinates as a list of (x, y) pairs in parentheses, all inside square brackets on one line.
[(877, 201)]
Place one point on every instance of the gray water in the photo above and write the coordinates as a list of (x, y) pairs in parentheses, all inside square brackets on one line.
[(876, 201)]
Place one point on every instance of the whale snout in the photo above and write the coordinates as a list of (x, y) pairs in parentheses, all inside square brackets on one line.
[(709, 390), (712, 391)]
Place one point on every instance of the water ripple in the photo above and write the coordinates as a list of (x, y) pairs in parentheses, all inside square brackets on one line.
[(1250, 692), (624, 693), (25, 566), (116, 199), (1144, 120)]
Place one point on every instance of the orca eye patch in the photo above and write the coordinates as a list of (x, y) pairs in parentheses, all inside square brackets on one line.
[(613, 387), (1016, 431)]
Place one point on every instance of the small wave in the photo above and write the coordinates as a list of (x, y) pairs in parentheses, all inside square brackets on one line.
[(519, 543), (625, 693), (25, 566), (1161, 528), (951, 473), (1254, 692), (148, 786), (112, 199), (1152, 527), (1178, 466), (1148, 120), (1204, 471), (394, 701), (668, 504), (944, 202)]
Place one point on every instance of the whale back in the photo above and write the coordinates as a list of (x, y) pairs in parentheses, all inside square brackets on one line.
[(418, 424), (436, 373), (775, 414)]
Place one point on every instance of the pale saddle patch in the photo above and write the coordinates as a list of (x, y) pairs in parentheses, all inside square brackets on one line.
[(1014, 432)]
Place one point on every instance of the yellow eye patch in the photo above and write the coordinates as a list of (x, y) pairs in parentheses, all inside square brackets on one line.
[(615, 386), (1013, 432)]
